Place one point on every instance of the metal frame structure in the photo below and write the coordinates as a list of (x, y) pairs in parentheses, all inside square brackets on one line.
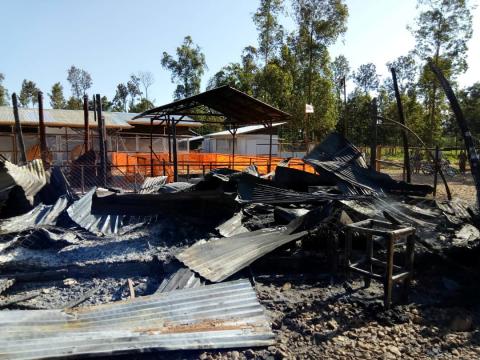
[(233, 107)]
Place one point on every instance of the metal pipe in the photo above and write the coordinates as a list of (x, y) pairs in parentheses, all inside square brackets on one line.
[(151, 147), (18, 129), (43, 138), (175, 160), (85, 123), (269, 167)]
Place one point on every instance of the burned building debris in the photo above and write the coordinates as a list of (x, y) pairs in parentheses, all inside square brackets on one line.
[(195, 265)]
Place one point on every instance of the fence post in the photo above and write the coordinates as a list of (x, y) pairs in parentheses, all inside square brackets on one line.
[(135, 178), (188, 171), (164, 167), (203, 169), (210, 166), (435, 167), (82, 167)]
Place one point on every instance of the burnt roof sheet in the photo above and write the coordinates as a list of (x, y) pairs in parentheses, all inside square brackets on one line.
[(218, 259), (235, 105), (226, 315)]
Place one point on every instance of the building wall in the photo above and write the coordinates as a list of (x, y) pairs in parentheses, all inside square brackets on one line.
[(248, 144)]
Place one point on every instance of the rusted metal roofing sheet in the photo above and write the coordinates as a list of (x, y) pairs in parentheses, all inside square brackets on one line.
[(218, 259), (226, 315), (80, 213), (38, 216)]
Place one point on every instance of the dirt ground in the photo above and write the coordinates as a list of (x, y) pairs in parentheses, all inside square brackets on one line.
[(461, 186)]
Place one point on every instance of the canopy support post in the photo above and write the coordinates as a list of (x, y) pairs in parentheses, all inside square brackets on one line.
[(151, 147), (270, 132), (85, 123), (41, 127), (175, 159), (233, 132)]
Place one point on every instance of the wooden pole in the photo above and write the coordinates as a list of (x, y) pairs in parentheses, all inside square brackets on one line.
[(18, 129), (462, 123), (43, 138), (373, 146), (401, 116), (435, 169), (102, 142), (85, 123)]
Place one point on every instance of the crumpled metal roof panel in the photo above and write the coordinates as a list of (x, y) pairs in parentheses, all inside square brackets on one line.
[(218, 259), (38, 216), (225, 315), (31, 177), (80, 213)]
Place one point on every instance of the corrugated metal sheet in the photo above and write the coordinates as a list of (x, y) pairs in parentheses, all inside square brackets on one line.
[(232, 226), (38, 216), (152, 184), (80, 213), (183, 278), (31, 177), (73, 118), (218, 259), (58, 117), (226, 315)]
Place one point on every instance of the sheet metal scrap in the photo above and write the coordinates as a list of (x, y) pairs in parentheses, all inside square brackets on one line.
[(183, 278), (80, 213), (152, 184), (232, 226), (38, 216), (226, 315), (199, 207), (30, 177), (218, 259), (252, 190)]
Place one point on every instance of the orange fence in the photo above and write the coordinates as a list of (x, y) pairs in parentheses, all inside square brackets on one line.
[(195, 163)]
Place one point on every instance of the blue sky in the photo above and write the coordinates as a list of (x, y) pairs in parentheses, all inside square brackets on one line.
[(114, 38)]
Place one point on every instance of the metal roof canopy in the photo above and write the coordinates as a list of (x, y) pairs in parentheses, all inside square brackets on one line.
[(234, 105), (236, 108)]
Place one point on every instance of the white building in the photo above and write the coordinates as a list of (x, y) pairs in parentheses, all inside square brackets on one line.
[(249, 140)]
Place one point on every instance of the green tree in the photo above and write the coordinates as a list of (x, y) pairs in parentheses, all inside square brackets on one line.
[(270, 31), (187, 70), (143, 105), (470, 103), (80, 81), (120, 99), (366, 77), (320, 23), (442, 31), (3, 92), (57, 100), (242, 76), (28, 93), (133, 87), (74, 103), (341, 72)]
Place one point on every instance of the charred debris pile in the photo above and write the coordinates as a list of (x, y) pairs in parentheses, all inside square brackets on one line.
[(195, 249)]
